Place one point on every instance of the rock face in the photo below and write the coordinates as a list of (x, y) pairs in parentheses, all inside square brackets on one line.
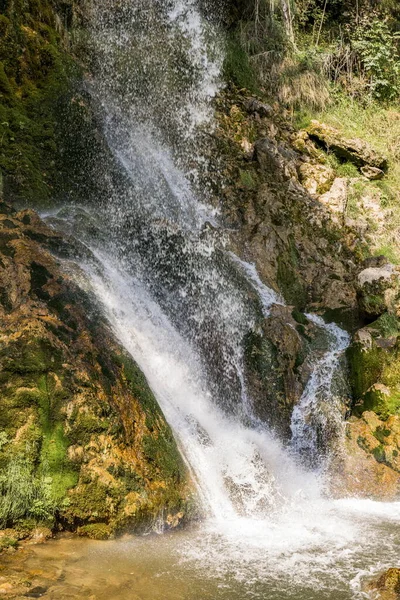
[(375, 367), (275, 364), (353, 150), (369, 463), (291, 236), (83, 443)]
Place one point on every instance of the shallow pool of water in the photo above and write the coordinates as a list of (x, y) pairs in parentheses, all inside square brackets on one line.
[(323, 553)]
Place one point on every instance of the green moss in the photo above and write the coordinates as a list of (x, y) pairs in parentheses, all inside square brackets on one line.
[(390, 251), (33, 355), (300, 317), (381, 433), (35, 74), (288, 277), (8, 542), (387, 325), (379, 454), (374, 304), (89, 504), (84, 426), (248, 180), (139, 388), (375, 378), (237, 67), (96, 531)]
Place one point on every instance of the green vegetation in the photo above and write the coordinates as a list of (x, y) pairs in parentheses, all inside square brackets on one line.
[(35, 70)]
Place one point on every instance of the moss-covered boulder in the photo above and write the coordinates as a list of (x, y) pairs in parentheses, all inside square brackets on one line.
[(379, 289), (83, 443), (375, 367), (368, 464)]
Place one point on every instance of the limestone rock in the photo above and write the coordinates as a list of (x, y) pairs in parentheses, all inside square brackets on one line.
[(78, 421), (372, 173), (369, 463), (386, 586), (379, 290), (353, 150), (335, 199), (317, 179)]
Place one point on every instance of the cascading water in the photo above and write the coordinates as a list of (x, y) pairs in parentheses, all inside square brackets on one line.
[(318, 409), (182, 305)]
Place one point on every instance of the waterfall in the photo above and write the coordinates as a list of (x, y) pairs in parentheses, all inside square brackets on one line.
[(318, 410), (177, 300), (182, 304)]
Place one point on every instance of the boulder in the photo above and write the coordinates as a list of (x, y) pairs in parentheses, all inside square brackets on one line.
[(317, 179), (335, 199), (254, 106), (372, 173), (353, 150), (379, 290)]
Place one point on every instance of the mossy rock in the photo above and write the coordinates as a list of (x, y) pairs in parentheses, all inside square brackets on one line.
[(96, 531), (374, 359), (82, 438)]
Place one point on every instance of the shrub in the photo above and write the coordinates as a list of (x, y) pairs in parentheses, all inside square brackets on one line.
[(377, 48)]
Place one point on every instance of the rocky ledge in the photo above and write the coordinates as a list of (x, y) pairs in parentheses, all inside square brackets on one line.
[(83, 444)]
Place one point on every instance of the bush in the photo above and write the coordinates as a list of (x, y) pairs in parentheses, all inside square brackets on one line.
[(378, 51)]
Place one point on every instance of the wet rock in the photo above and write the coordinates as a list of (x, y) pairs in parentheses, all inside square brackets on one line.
[(78, 421), (353, 150), (386, 586), (275, 365), (36, 592)]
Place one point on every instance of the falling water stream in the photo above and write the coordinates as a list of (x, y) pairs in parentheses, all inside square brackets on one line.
[(181, 305)]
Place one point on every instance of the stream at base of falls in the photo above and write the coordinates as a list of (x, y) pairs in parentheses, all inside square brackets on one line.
[(294, 560)]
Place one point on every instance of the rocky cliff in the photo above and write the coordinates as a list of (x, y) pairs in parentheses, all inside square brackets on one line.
[(288, 209), (83, 443)]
